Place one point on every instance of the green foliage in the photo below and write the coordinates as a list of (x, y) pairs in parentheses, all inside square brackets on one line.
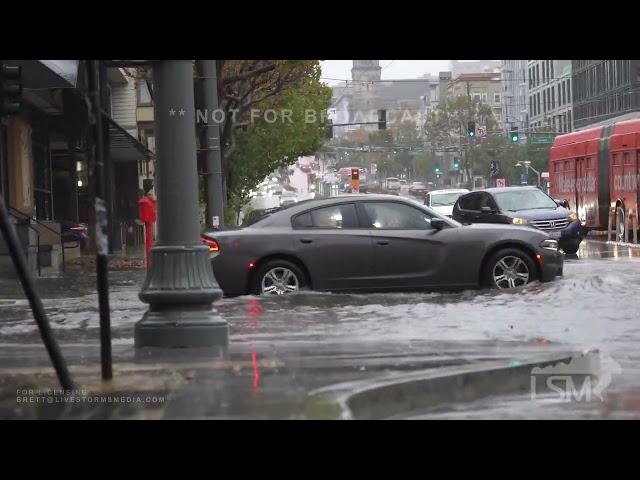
[(266, 145)]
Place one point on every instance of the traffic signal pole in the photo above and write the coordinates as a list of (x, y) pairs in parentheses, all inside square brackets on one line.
[(209, 134)]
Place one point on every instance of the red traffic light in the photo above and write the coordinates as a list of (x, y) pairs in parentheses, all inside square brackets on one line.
[(355, 174)]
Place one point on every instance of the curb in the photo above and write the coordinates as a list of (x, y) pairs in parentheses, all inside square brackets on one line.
[(401, 394), (623, 244)]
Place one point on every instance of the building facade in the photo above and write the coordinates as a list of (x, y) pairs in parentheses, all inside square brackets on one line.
[(550, 88), (515, 95), (485, 87), (46, 153), (604, 90), (358, 101)]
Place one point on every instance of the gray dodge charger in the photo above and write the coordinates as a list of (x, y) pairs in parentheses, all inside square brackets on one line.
[(375, 243)]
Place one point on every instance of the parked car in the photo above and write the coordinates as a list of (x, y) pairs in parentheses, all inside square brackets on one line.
[(418, 189), (522, 206), (375, 243), (442, 201)]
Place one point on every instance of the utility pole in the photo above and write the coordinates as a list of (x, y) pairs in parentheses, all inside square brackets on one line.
[(180, 287), (209, 133)]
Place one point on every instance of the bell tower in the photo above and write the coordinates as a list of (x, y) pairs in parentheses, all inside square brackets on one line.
[(366, 70)]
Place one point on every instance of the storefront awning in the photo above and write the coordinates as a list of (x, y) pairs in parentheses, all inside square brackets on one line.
[(123, 146), (47, 74)]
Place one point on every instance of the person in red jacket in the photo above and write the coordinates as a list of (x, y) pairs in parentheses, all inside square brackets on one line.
[(147, 212)]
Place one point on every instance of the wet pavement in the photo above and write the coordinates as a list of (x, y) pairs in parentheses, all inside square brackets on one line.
[(282, 349)]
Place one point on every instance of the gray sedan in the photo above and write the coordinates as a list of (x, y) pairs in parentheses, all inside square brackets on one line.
[(375, 243)]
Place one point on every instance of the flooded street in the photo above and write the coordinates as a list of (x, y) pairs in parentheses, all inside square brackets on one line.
[(594, 305)]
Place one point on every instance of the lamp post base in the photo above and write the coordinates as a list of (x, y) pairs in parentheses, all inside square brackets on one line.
[(183, 328)]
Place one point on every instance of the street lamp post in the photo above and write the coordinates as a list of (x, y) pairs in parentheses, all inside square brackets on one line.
[(527, 165), (180, 287)]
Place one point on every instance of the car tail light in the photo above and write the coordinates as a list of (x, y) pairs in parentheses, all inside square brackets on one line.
[(213, 245)]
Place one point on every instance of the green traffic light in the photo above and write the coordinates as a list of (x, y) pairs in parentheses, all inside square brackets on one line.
[(472, 134), (514, 138)]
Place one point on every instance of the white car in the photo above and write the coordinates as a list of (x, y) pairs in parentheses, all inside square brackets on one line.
[(442, 201), (392, 183)]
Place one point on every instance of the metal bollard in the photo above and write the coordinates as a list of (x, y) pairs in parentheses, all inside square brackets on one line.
[(634, 221)]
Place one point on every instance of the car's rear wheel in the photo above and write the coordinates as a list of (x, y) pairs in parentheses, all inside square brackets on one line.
[(278, 277), (509, 268)]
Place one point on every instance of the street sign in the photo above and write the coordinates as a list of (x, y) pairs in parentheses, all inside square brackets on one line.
[(524, 179), (374, 168), (481, 131), (546, 139), (215, 221), (501, 183)]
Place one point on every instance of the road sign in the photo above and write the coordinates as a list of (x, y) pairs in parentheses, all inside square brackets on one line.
[(546, 139), (524, 179), (374, 168), (481, 131), (501, 183)]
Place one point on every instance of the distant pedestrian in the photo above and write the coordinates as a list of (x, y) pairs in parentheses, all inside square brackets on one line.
[(148, 215)]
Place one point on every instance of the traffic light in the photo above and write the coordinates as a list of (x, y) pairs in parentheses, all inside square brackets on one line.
[(456, 165), (437, 169), (382, 119), (328, 133), (471, 129), (514, 134), (10, 89), (355, 174)]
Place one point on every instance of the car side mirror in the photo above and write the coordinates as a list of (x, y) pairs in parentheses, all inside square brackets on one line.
[(562, 203), (438, 223), (486, 210)]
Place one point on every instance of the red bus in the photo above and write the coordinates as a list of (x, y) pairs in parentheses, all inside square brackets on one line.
[(596, 170)]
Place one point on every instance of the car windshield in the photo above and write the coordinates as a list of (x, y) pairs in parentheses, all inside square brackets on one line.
[(515, 200), (444, 199)]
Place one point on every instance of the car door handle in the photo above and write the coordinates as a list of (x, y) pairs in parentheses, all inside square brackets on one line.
[(382, 242), (306, 240)]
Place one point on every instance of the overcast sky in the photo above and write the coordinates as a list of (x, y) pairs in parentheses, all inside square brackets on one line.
[(391, 69)]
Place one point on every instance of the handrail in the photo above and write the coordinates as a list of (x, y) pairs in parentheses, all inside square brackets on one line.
[(14, 211), (37, 238)]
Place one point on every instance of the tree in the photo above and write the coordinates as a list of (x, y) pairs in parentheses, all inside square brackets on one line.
[(267, 145), (447, 125)]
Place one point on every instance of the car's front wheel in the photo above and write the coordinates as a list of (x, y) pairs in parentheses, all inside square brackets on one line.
[(509, 268), (278, 277)]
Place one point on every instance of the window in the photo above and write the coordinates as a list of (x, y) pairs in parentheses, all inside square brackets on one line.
[(335, 216), (476, 96), (470, 202), (544, 100), (569, 90), (144, 96), (496, 98), (485, 200), (391, 215), (553, 97), (564, 92), (627, 158)]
